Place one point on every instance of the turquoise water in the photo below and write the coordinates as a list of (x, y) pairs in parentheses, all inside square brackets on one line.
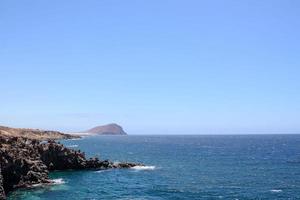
[(186, 167)]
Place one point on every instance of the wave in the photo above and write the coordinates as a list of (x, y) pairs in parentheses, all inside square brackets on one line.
[(37, 185), (72, 146), (143, 167), (76, 139), (103, 170), (276, 191), (58, 181)]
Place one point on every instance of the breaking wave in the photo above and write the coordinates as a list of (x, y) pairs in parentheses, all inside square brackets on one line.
[(58, 181), (72, 146), (276, 191), (143, 167)]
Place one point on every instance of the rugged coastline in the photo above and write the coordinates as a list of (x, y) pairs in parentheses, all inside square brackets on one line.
[(26, 162), (36, 134)]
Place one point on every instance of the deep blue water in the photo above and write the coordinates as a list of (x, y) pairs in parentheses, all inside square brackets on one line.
[(186, 167)]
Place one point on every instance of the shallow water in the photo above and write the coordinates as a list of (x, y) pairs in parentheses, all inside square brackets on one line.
[(183, 167)]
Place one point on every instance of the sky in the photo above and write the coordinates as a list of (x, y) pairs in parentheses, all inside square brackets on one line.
[(153, 66)]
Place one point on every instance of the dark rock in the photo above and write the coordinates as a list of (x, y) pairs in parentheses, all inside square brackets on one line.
[(26, 162), (2, 194)]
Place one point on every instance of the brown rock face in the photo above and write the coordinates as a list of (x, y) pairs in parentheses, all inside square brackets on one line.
[(109, 129), (26, 162), (34, 133)]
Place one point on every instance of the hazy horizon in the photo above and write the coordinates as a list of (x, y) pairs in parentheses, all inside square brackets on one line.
[(154, 67)]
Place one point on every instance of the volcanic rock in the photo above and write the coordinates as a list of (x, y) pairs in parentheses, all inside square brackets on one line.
[(26, 162)]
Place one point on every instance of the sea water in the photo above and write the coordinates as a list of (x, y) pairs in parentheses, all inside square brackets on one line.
[(182, 167)]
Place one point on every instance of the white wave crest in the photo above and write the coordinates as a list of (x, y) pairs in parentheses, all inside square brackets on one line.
[(76, 138), (58, 181), (37, 185), (72, 146), (143, 167), (103, 171), (276, 191)]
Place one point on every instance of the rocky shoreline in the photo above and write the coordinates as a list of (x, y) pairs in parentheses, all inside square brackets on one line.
[(36, 134), (27, 162)]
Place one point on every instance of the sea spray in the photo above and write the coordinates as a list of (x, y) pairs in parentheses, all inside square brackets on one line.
[(143, 167), (58, 181)]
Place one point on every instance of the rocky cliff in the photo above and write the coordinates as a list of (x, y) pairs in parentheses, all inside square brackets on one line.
[(26, 162), (109, 129), (2, 194)]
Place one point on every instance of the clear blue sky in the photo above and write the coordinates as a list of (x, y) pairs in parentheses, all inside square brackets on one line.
[(173, 67)]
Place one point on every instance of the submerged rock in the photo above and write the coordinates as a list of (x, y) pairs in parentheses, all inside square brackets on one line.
[(26, 162)]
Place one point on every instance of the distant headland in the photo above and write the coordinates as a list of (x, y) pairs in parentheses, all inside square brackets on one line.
[(108, 129), (35, 134)]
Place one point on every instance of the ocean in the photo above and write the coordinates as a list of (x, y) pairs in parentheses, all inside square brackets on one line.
[(233, 167)]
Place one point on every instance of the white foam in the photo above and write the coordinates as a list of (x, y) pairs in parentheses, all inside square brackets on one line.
[(143, 167), (58, 181), (76, 138), (37, 185), (102, 171), (276, 191), (72, 146)]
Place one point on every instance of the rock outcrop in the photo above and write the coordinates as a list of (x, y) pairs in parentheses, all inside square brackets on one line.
[(2, 194), (27, 162), (109, 129), (34, 133)]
